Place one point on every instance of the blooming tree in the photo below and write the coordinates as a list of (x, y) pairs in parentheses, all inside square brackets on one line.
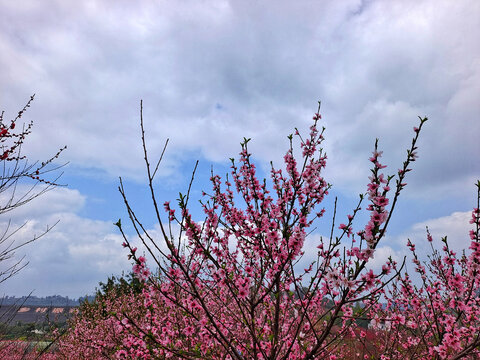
[(231, 287), (228, 287)]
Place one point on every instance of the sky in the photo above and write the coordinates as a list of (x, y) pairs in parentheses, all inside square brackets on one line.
[(213, 72)]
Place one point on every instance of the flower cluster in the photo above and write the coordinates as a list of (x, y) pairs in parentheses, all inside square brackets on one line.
[(440, 319)]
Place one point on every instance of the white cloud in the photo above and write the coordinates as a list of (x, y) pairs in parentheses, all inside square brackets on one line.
[(454, 226), (72, 257), (382, 255), (55, 200)]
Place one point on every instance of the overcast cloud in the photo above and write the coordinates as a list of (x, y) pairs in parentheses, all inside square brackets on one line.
[(213, 72)]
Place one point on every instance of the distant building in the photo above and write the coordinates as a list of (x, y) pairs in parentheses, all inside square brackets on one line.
[(36, 314)]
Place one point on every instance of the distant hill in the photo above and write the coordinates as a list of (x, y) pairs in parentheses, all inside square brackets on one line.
[(55, 300)]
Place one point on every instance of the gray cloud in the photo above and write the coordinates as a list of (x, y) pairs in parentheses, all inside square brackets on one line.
[(213, 73)]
